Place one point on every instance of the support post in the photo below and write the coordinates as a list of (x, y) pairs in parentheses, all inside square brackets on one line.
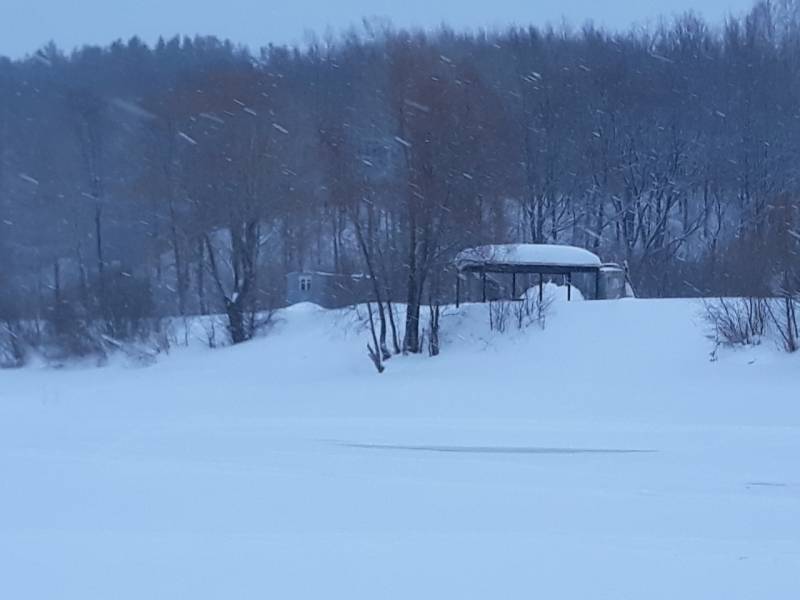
[(513, 286), (597, 284), (541, 287), (483, 282), (458, 289), (569, 286)]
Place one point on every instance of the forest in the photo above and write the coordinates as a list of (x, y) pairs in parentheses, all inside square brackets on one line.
[(189, 177)]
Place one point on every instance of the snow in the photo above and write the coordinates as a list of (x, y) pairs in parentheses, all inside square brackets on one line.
[(527, 254), (602, 457), (133, 109), (187, 138), (419, 106), (27, 178), (211, 117)]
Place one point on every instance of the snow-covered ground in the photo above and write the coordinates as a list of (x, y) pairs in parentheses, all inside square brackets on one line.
[(604, 457)]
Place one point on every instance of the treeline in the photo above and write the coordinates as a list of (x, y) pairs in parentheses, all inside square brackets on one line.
[(190, 177)]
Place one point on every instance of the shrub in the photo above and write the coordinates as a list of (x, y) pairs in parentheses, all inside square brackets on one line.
[(737, 321)]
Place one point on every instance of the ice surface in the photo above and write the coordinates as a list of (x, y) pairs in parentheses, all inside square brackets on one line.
[(508, 467)]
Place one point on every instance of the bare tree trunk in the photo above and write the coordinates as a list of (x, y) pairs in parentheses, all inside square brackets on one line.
[(411, 338), (374, 354), (395, 339), (376, 288), (57, 282), (83, 276), (244, 254), (101, 264), (201, 284), (181, 275), (433, 337), (335, 240)]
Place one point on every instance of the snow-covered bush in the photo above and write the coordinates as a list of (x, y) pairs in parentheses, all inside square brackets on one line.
[(499, 314), (524, 311), (13, 336), (533, 309), (783, 315), (749, 321), (737, 321), (68, 333), (13, 349)]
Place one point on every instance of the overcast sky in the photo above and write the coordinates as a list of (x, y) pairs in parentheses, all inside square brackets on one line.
[(25, 25)]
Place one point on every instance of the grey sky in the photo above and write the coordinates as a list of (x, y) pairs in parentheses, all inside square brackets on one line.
[(27, 24)]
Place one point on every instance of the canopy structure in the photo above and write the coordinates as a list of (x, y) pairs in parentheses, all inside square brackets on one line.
[(541, 259)]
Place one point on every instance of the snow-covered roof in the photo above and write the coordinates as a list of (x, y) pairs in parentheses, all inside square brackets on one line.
[(527, 255)]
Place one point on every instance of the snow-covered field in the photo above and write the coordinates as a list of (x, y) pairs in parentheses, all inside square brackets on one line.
[(604, 457)]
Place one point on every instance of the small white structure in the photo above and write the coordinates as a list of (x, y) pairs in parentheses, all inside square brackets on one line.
[(330, 290)]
